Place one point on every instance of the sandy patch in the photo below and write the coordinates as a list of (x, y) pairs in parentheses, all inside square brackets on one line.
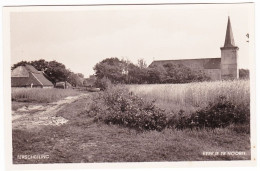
[(23, 118)]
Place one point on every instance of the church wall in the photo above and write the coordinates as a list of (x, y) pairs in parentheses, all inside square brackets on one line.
[(229, 68)]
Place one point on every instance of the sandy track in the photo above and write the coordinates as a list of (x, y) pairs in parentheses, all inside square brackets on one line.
[(33, 116)]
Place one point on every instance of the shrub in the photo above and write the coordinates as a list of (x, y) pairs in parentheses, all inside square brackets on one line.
[(222, 113), (103, 83), (120, 107), (244, 74)]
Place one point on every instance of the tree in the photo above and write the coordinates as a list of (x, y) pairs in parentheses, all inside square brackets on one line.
[(156, 74), (22, 63), (40, 65), (74, 79), (142, 64), (244, 74), (113, 69), (80, 75), (173, 73), (57, 71), (134, 74)]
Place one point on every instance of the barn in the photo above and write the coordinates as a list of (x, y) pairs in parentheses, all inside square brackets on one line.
[(28, 76)]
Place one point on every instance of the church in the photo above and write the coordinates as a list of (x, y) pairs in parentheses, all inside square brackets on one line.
[(222, 68)]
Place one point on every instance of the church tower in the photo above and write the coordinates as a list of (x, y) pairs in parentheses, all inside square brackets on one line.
[(229, 69)]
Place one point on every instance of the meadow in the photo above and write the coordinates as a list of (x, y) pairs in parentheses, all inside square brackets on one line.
[(41, 95), (102, 125), (83, 140), (192, 96)]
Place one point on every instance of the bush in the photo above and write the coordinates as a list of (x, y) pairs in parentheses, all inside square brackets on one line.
[(120, 107), (220, 114), (103, 83), (244, 74)]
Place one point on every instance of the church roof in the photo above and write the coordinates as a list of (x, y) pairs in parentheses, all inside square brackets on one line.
[(229, 40), (202, 63)]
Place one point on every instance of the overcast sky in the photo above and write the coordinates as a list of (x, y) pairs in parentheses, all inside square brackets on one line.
[(80, 37)]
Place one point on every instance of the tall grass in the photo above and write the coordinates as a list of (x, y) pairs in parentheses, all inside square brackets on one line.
[(41, 95), (192, 96)]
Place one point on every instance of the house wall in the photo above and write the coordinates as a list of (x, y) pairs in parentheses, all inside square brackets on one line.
[(47, 86), (19, 81)]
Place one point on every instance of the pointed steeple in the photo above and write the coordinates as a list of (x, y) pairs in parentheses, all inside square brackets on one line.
[(229, 41)]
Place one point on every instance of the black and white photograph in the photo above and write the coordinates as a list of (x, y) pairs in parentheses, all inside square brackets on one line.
[(131, 83)]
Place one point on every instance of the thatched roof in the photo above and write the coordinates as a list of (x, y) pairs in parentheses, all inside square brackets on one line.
[(26, 75)]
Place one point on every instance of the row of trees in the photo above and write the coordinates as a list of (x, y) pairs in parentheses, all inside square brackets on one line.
[(123, 71), (55, 71)]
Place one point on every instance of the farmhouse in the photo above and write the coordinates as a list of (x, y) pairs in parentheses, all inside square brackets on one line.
[(224, 67), (28, 76)]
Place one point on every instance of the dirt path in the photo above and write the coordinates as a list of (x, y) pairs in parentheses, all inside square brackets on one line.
[(33, 116)]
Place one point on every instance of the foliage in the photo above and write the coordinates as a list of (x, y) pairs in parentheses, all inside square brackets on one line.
[(123, 71), (182, 74), (141, 63), (244, 74), (120, 107), (21, 63), (136, 74), (56, 71), (75, 79), (103, 83), (220, 114), (156, 74), (111, 68)]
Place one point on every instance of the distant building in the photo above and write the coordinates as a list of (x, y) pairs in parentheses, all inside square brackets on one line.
[(216, 68), (63, 85), (28, 76)]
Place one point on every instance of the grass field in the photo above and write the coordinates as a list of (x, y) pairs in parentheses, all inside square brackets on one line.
[(192, 96), (83, 140), (41, 95)]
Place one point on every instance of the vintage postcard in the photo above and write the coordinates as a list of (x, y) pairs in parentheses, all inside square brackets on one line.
[(162, 85)]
